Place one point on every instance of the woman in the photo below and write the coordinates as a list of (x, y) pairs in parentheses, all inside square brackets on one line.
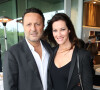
[(63, 68)]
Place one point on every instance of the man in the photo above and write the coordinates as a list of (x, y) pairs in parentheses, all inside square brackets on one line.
[(26, 63)]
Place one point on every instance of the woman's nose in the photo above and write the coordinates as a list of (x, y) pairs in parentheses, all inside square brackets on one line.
[(59, 33)]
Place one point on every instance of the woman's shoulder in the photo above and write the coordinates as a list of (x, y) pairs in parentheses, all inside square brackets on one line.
[(84, 55), (83, 51)]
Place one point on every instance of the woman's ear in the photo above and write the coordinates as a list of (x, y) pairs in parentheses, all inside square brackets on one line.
[(69, 31)]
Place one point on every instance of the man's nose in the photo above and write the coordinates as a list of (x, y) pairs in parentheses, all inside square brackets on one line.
[(33, 27)]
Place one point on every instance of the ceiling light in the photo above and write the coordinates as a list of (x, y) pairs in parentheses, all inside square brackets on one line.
[(94, 2)]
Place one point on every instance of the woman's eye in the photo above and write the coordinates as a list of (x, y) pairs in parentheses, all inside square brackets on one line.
[(63, 29), (54, 30)]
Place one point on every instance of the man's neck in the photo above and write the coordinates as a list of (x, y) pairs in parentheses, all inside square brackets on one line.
[(37, 47), (35, 44)]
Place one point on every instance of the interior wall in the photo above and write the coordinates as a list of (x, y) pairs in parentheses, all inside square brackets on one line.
[(76, 16), (86, 30), (74, 12), (91, 21), (91, 14)]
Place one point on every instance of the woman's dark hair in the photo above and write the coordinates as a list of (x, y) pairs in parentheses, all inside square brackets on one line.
[(72, 35), (33, 10)]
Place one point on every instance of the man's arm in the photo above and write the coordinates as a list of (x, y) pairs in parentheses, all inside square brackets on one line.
[(10, 72)]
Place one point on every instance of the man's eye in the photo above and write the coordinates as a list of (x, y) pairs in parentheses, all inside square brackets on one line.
[(28, 24), (38, 24)]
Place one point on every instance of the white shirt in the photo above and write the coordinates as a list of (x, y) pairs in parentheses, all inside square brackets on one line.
[(41, 64)]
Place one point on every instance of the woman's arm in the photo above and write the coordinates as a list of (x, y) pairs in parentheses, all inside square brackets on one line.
[(86, 71)]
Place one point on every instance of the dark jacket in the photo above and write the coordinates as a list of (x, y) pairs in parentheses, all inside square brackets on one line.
[(85, 70), (20, 69)]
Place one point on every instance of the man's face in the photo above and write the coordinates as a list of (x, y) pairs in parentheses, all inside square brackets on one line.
[(33, 27)]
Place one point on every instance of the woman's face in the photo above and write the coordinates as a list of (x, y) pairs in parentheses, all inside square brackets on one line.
[(60, 32)]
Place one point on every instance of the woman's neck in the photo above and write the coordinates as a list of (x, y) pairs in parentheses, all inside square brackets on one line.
[(65, 46)]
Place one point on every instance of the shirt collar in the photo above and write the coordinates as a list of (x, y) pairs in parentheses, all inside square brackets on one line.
[(32, 48)]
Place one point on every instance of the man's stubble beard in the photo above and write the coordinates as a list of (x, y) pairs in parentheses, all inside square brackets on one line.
[(35, 40)]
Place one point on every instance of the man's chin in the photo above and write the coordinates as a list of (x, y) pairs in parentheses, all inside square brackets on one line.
[(34, 40)]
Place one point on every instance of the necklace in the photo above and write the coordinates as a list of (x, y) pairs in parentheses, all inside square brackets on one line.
[(64, 50)]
